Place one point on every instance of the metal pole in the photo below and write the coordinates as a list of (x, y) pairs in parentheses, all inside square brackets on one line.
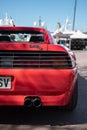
[(74, 17), (39, 21)]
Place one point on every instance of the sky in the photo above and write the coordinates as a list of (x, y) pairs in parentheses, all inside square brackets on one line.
[(26, 12)]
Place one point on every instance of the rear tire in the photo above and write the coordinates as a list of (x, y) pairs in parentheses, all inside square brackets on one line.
[(73, 102)]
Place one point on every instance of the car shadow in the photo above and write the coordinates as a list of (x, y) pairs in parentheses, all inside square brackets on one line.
[(48, 116)]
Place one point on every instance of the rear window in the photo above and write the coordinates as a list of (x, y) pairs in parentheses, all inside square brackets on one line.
[(21, 36)]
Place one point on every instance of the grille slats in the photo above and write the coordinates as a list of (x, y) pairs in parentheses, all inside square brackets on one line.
[(30, 59)]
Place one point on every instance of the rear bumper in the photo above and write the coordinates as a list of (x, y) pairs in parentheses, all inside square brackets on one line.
[(53, 87), (46, 100), (18, 100)]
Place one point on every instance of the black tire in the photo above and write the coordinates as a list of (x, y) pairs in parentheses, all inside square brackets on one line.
[(73, 102)]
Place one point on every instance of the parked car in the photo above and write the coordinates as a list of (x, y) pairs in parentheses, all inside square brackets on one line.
[(34, 70)]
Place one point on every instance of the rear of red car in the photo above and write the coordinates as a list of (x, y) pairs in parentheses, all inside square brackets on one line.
[(35, 74)]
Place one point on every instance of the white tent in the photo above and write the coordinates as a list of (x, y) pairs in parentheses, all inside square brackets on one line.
[(70, 32), (78, 35)]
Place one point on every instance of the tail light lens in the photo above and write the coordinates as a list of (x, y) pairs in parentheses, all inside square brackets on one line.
[(35, 59)]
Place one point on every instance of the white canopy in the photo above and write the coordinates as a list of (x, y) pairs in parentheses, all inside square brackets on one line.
[(78, 35)]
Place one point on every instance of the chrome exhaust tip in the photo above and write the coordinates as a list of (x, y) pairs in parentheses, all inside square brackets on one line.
[(28, 102), (37, 102)]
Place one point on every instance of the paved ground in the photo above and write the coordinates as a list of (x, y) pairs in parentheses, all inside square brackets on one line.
[(49, 119)]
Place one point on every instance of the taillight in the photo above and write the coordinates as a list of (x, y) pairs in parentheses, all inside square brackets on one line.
[(35, 59)]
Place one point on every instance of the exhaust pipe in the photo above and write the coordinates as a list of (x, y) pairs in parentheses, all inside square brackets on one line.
[(28, 102), (36, 102), (32, 101)]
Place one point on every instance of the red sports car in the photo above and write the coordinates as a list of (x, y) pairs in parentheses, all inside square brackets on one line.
[(34, 70)]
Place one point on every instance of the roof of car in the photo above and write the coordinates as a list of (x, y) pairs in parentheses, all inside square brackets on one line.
[(22, 28)]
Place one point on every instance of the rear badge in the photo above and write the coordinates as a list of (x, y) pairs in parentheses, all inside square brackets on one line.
[(36, 46)]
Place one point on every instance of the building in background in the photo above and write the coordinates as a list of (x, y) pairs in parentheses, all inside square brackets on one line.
[(73, 39)]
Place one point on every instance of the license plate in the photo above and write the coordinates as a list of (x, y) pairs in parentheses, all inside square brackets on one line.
[(5, 82)]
